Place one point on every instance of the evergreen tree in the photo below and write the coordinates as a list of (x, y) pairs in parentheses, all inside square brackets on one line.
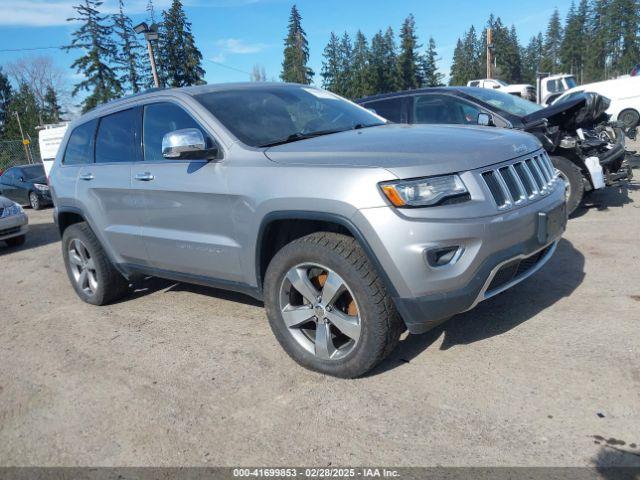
[(552, 44), (458, 75), (467, 64), (93, 37), (180, 58), (129, 57), (409, 60), (430, 75), (532, 58), (24, 103), (629, 13), (330, 72), (296, 52), (360, 71), (596, 55), (6, 94), (345, 80), (51, 110), (571, 48)]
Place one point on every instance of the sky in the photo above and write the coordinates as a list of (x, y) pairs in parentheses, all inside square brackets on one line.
[(234, 35)]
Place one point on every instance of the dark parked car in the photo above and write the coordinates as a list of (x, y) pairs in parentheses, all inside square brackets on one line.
[(26, 185), (573, 133)]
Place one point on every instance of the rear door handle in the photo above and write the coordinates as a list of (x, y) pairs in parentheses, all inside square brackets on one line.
[(144, 176), (87, 176)]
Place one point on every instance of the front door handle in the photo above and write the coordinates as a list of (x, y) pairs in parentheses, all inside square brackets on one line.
[(87, 176), (144, 176)]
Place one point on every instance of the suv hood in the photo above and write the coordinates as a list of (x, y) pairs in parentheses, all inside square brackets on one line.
[(583, 111), (5, 202), (409, 150)]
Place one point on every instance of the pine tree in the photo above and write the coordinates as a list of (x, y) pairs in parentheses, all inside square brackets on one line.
[(360, 74), (23, 102), (629, 13), (93, 37), (345, 80), (129, 58), (430, 75), (468, 63), (181, 59), (409, 60), (596, 55), (51, 110), (6, 94), (552, 44), (296, 52), (532, 58), (330, 72), (457, 75)]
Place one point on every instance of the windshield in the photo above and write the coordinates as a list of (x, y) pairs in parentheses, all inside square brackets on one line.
[(504, 101), (32, 172), (269, 115)]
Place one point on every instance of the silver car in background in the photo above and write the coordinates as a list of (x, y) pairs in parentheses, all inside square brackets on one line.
[(13, 223), (350, 229)]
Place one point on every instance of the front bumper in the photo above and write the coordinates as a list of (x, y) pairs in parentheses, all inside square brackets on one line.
[(14, 226), (499, 251)]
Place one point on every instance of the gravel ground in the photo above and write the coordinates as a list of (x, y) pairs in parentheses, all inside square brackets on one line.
[(547, 373)]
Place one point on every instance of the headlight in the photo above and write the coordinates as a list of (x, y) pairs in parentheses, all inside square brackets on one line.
[(11, 210), (423, 192), (43, 187)]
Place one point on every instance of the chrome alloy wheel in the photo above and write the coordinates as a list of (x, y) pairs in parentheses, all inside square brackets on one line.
[(567, 185), (82, 267), (320, 311)]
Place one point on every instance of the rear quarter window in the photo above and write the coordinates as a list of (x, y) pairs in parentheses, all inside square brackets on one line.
[(79, 149)]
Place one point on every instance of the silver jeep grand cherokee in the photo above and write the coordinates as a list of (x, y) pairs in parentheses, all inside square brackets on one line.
[(350, 229)]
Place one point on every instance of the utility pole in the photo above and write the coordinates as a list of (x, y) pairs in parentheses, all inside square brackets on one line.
[(490, 48), (25, 142), (150, 33)]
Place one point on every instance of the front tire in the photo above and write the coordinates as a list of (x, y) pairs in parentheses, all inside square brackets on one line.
[(629, 118), (93, 276), (328, 307), (34, 201), (572, 176)]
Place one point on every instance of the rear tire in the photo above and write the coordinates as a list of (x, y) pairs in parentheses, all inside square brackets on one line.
[(100, 283), (16, 241), (321, 260), (572, 175)]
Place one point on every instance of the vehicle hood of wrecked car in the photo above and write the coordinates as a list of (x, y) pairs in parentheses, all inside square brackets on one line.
[(435, 149), (5, 202), (581, 111)]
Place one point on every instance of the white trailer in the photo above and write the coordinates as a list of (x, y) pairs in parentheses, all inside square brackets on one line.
[(49, 139)]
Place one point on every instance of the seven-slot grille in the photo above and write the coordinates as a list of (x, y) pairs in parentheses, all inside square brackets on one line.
[(521, 181)]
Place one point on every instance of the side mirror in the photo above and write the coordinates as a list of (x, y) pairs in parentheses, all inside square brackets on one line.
[(21, 179), (485, 120), (187, 144)]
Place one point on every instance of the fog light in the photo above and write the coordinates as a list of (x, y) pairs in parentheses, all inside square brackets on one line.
[(439, 257)]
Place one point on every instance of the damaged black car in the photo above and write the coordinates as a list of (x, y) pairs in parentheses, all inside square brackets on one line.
[(585, 147)]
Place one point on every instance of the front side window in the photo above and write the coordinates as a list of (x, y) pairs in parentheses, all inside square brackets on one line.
[(160, 119), (7, 177), (33, 172), (80, 145), (263, 116), (444, 109), (115, 141)]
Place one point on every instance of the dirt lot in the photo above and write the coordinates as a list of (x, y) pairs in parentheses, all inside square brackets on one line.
[(547, 373)]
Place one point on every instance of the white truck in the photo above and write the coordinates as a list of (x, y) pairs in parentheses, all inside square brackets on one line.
[(524, 90), (49, 139)]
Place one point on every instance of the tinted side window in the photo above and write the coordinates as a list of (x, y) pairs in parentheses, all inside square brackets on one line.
[(444, 109), (115, 141), (391, 109), (80, 145), (160, 119), (7, 177)]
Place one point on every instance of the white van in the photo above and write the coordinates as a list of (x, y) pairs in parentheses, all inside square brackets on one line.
[(623, 92), (49, 139)]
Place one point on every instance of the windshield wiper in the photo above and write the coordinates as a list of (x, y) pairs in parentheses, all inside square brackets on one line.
[(294, 137)]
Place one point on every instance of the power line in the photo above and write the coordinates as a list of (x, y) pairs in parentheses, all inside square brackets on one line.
[(27, 49), (228, 66)]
